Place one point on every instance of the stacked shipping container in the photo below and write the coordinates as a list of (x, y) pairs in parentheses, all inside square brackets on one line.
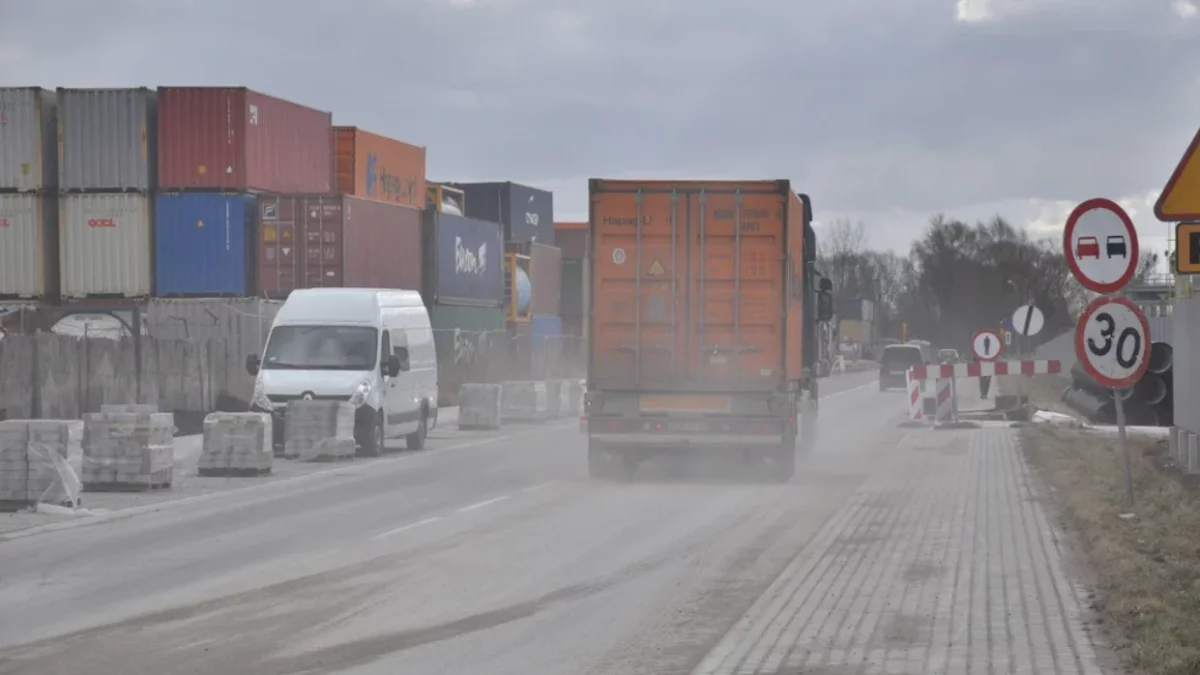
[(573, 239), (28, 194)]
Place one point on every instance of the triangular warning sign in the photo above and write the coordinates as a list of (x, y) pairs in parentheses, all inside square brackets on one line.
[(1180, 199), (656, 269)]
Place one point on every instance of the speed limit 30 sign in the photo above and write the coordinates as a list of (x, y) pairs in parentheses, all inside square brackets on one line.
[(1112, 342)]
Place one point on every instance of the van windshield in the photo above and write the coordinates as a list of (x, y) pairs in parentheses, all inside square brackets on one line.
[(322, 348)]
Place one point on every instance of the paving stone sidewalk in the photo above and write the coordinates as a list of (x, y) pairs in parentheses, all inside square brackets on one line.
[(943, 562)]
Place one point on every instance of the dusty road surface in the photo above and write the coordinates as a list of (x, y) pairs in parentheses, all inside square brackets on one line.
[(892, 550)]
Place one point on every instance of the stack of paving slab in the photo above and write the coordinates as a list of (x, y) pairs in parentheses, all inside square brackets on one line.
[(40, 462), (479, 406), (236, 444), (523, 402), (128, 448), (318, 431)]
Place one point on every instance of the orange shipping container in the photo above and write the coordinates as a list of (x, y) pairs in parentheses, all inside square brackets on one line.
[(376, 167), (719, 267)]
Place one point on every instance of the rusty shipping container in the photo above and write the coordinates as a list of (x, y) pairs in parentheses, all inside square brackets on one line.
[(545, 275), (233, 138), (29, 246), (315, 241), (106, 139), (106, 244), (28, 139), (377, 167)]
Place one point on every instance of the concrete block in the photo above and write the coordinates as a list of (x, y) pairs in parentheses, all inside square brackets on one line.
[(128, 448), (237, 441), (479, 406), (523, 402), (309, 426), (554, 406), (128, 408), (575, 398), (55, 454)]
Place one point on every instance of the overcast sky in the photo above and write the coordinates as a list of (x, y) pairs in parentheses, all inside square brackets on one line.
[(884, 111)]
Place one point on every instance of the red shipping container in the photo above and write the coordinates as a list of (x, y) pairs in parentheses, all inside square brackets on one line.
[(310, 241), (232, 138)]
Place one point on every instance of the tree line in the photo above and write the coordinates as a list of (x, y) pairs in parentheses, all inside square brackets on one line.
[(957, 278)]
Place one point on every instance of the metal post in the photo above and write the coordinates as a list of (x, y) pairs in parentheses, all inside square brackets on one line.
[(1124, 444)]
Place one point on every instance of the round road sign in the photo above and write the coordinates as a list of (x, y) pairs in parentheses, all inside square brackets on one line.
[(1101, 245), (986, 345), (1030, 314), (1112, 342)]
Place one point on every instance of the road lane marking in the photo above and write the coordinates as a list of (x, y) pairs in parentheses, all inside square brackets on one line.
[(409, 526), (534, 488), (480, 505), (847, 391)]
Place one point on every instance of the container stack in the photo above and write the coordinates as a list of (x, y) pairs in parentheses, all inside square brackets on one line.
[(464, 289), (572, 238), (106, 169), (28, 195), (128, 451)]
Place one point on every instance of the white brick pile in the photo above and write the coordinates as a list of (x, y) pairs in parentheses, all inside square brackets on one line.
[(55, 454), (479, 406), (128, 449), (14, 463), (236, 444), (318, 430), (523, 402)]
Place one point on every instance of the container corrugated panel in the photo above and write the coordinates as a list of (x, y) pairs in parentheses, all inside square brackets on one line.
[(527, 213), (232, 138), (472, 345), (106, 139), (545, 278), (28, 139), (377, 167), (307, 241), (572, 287), (28, 246), (574, 243), (106, 244), (463, 261), (204, 244)]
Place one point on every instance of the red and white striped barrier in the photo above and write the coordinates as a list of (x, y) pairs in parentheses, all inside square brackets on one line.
[(985, 369), (916, 404), (945, 400)]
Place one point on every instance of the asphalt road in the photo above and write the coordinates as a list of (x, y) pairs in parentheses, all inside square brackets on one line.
[(494, 556)]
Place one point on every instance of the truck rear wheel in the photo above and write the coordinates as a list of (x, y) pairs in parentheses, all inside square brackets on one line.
[(609, 466)]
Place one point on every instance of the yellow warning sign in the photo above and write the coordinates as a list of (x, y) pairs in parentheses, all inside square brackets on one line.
[(656, 269), (1180, 199)]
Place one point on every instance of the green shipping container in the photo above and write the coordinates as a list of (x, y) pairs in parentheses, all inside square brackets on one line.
[(472, 346), (572, 287)]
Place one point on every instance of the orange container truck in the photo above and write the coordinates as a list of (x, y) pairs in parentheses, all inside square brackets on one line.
[(703, 310)]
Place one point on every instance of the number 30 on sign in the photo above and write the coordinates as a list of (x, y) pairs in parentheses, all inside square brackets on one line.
[(1112, 342)]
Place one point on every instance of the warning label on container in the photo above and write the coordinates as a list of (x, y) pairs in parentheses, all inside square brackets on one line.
[(656, 269)]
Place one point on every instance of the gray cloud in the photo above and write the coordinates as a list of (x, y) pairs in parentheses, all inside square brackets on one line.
[(870, 106)]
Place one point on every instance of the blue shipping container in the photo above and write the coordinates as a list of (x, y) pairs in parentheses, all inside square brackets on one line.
[(527, 213), (203, 243), (463, 265)]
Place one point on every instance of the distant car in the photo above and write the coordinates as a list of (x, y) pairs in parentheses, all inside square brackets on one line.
[(948, 355), (1087, 247), (896, 361)]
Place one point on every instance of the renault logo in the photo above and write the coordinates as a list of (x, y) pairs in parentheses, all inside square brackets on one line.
[(307, 396)]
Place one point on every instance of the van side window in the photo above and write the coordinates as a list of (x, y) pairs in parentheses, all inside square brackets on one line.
[(385, 347)]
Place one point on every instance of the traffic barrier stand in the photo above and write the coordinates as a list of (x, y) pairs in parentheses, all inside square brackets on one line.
[(236, 444), (945, 374), (916, 404), (479, 406)]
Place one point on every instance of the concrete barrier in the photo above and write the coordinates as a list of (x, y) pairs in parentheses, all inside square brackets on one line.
[(554, 399), (129, 408), (236, 444), (479, 406), (523, 402), (575, 391), (128, 451), (318, 431)]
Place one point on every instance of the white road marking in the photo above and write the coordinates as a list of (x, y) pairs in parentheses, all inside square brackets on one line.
[(847, 391), (409, 526), (480, 505), (534, 488)]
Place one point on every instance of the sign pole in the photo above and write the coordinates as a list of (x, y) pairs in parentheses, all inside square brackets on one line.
[(1124, 445)]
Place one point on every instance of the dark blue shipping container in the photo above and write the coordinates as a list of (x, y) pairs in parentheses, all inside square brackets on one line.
[(463, 261), (526, 213), (203, 243)]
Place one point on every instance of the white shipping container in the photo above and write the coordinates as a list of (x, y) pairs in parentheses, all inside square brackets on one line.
[(106, 139), (106, 244), (28, 250), (28, 139)]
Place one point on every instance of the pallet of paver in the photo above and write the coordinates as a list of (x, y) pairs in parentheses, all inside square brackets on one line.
[(236, 444), (128, 408), (479, 406), (14, 465), (55, 453), (523, 402), (315, 431), (127, 451)]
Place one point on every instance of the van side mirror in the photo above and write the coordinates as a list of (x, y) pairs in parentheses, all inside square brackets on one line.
[(824, 306), (252, 364), (391, 365), (825, 285), (401, 357)]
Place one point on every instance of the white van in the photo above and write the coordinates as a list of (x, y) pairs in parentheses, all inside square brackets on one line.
[(371, 347)]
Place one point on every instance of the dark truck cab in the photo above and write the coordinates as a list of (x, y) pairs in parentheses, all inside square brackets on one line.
[(703, 313), (895, 362)]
